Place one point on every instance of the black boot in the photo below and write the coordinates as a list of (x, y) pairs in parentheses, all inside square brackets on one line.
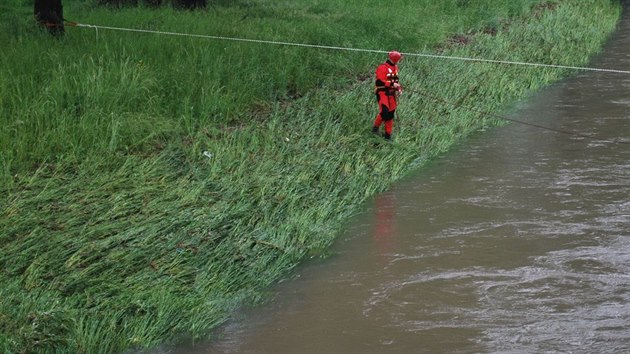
[(375, 130), (387, 136)]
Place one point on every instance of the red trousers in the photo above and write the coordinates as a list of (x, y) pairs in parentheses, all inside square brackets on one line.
[(387, 108)]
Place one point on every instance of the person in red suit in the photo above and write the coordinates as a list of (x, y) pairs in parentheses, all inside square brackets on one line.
[(387, 89)]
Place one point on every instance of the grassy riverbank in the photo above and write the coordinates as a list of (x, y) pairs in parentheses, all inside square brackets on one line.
[(118, 231)]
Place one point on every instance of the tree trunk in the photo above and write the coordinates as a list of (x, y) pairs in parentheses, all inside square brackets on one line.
[(49, 14)]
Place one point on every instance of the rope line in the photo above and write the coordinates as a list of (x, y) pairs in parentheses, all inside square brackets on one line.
[(306, 45), (435, 56)]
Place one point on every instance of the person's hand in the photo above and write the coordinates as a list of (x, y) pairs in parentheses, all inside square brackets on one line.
[(397, 86)]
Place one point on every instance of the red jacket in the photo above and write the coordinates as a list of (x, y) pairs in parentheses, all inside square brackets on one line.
[(386, 77)]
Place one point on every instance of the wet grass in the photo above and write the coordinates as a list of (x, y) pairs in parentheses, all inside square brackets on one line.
[(151, 184)]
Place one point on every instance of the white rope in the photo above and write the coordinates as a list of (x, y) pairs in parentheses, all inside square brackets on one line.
[(435, 56), (89, 26), (522, 63)]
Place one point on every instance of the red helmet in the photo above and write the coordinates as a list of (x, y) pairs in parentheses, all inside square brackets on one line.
[(394, 56)]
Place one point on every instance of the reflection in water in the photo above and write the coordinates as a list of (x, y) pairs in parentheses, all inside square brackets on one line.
[(517, 243), (384, 236)]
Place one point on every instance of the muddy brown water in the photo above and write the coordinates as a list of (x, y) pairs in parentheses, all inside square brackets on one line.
[(517, 241)]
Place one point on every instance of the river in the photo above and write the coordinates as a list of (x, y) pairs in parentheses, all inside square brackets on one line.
[(516, 241)]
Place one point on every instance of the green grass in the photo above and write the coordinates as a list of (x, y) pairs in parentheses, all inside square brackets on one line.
[(118, 232)]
